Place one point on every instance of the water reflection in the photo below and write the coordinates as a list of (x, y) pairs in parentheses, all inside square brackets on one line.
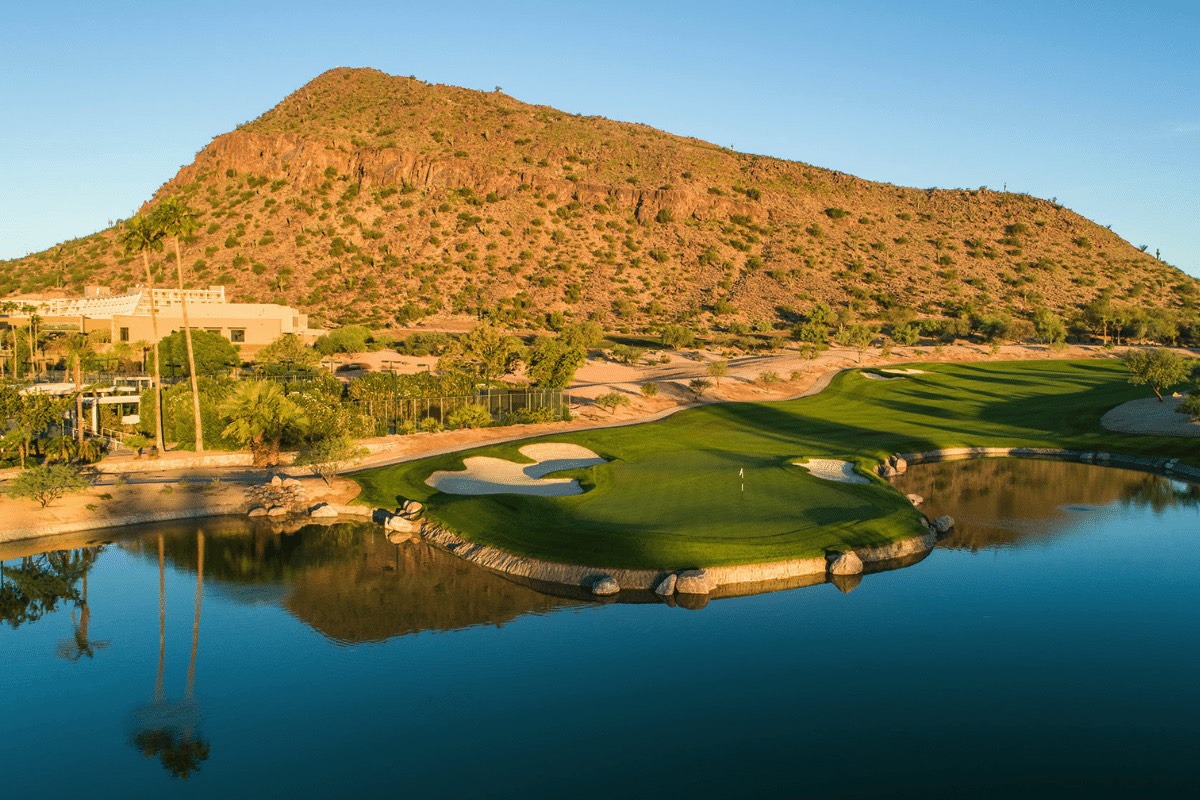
[(167, 730), (34, 585), (998, 502), (347, 581)]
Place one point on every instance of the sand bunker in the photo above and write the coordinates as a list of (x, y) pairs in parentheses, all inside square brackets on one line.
[(829, 469), (904, 371), (485, 475), (1149, 417), (875, 376)]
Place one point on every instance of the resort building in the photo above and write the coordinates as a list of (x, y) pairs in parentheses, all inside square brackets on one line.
[(127, 316)]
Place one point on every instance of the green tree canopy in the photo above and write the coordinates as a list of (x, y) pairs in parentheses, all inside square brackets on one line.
[(348, 339), (552, 363), (288, 353), (215, 354), (484, 353)]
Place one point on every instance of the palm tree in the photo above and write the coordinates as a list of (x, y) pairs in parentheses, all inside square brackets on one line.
[(259, 415), (175, 219), (142, 236), (76, 347)]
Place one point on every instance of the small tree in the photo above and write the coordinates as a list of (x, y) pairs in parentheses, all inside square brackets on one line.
[(612, 401), (1191, 407), (47, 483), (700, 386), (858, 337), (718, 370), (1159, 369), (329, 455)]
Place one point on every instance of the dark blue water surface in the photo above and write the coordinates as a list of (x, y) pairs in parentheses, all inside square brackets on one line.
[(1049, 646)]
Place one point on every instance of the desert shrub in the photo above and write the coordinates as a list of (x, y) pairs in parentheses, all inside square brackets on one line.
[(611, 401), (768, 377), (649, 389), (47, 483), (430, 425)]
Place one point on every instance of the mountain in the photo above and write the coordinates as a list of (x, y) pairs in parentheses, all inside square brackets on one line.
[(370, 198)]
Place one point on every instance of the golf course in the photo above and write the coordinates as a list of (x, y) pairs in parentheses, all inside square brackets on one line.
[(719, 484)]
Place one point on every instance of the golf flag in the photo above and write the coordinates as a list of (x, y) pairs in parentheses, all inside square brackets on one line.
[(742, 472)]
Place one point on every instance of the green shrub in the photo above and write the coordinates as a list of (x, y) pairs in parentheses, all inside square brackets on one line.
[(469, 416), (649, 389)]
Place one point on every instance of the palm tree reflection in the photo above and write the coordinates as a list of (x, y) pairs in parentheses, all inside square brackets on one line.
[(168, 730)]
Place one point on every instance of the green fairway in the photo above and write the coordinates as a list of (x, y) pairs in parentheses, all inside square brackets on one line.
[(670, 496)]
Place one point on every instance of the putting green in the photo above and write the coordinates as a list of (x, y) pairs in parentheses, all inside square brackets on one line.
[(671, 495)]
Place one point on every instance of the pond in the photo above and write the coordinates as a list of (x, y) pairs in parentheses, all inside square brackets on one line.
[(1049, 644)]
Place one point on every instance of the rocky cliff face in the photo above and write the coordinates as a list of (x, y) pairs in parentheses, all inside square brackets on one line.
[(372, 198)]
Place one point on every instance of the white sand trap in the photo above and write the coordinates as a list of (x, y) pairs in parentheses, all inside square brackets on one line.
[(875, 376), (485, 475), (829, 469), (904, 371), (1149, 417)]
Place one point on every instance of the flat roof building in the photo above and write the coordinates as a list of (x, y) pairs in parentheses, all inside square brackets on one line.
[(127, 316)]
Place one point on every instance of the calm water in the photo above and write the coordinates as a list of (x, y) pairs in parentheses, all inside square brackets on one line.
[(1050, 646)]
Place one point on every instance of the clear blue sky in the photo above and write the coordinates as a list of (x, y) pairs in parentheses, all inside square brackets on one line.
[(1097, 104)]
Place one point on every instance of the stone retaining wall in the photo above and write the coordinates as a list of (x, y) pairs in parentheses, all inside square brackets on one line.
[(730, 577), (192, 512)]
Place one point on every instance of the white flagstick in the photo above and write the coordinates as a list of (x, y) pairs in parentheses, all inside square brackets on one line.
[(742, 476)]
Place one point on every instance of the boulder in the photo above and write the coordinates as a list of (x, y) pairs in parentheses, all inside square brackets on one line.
[(276, 481), (943, 524), (413, 507), (887, 471), (258, 511), (276, 511), (293, 483), (605, 586), (666, 587), (694, 581), (915, 499), (899, 464), (323, 511), (398, 524), (846, 564)]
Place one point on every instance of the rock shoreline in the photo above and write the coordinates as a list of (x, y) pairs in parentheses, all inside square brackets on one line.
[(722, 581)]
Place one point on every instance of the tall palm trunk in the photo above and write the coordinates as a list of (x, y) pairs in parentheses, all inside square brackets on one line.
[(162, 621), (79, 398), (158, 393), (191, 679), (191, 356)]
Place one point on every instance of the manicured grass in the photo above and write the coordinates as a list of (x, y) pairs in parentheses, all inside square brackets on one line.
[(670, 497)]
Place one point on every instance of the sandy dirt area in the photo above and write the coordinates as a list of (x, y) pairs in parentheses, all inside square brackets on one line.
[(1149, 417), (498, 476), (829, 469)]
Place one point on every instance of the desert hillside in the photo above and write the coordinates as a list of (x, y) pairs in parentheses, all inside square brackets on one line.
[(364, 197)]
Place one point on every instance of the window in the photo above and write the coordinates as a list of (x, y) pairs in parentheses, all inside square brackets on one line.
[(123, 334), (237, 335)]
